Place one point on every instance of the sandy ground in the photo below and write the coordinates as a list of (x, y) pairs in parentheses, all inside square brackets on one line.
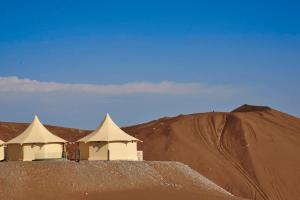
[(252, 152), (105, 180)]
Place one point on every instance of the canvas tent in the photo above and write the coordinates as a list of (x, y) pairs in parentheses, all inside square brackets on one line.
[(35, 143), (1, 150), (108, 142)]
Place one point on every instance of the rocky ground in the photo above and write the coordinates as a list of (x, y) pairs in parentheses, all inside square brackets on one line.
[(105, 180)]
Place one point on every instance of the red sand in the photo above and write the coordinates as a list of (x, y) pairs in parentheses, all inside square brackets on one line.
[(252, 152)]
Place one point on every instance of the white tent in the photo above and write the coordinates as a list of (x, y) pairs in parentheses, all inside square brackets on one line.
[(1, 150), (36, 142), (108, 142)]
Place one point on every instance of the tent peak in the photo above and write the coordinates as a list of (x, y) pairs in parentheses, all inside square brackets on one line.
[(36, 132), (107, 119), (36, 120), (107, 115), (108, 131)]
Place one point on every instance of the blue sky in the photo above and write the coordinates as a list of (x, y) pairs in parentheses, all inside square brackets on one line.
[(129, 58)]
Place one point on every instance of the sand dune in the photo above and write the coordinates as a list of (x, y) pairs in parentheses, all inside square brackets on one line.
[(252, 152)]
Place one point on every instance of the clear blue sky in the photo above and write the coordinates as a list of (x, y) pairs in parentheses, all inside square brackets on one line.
[(251, 47)]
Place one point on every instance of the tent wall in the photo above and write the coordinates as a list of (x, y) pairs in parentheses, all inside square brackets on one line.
[(1, 152), (123, 151), (29, 152), (93, 151), (140, 156), (15, 152), (108, 151), (84, 151), (42, 151), (98, 151)]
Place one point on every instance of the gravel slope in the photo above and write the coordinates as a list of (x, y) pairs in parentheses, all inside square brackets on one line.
[(108, 180)]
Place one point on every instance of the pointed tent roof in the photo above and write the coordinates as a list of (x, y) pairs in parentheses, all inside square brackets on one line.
[(108, 131), (36, 133)]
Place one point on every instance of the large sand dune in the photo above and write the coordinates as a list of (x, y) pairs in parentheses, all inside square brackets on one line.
[(252, 152)]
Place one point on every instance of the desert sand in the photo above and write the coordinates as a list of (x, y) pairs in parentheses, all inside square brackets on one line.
[(252, 152)]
